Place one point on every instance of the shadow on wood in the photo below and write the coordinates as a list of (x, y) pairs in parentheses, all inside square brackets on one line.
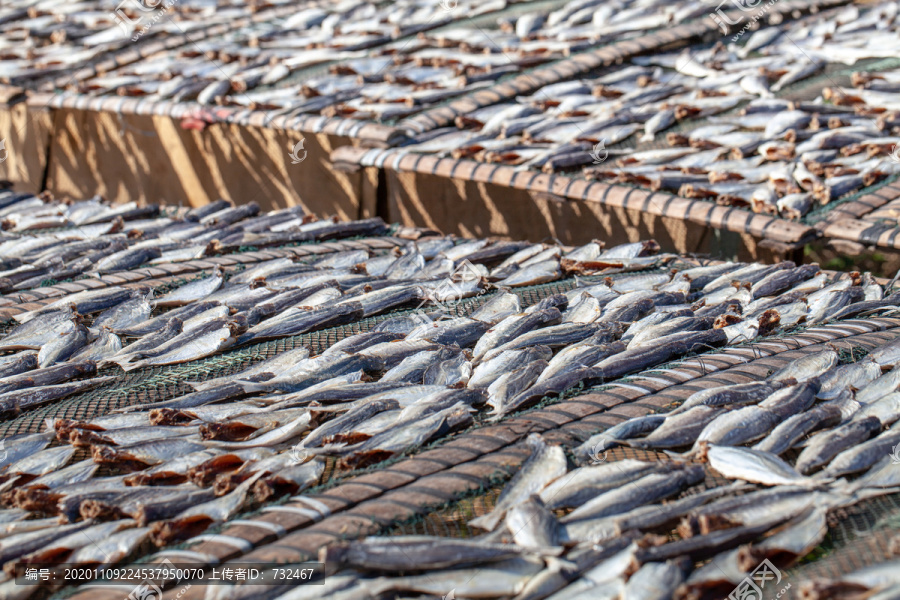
[(26, 135), (469, 208), (153, 159)]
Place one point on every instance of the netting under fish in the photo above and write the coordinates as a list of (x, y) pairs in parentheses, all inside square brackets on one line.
[(861, 535)]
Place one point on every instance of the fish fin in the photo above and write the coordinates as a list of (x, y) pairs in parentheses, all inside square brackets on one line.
[(126, 366), (865, 493), (250, 387), (487, 522), (326, 449), (559, 565), (686, 456)]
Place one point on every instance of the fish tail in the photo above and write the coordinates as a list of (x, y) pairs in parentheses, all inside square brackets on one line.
[(686, 456)]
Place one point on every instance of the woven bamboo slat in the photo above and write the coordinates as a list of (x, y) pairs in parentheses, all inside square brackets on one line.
[(577, 188), (870, 219), (374, 133)]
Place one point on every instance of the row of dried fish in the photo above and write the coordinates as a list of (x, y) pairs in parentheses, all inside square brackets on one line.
[(70, 336), (141, 234), (357, 85), (774, 156), (95, 239), (263, 432), (607, 328), (847, 405), (274, 299), (283, 298), (253, 67), (607, 544), (43, 38)]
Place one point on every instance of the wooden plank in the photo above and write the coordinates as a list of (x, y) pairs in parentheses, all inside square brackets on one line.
[(152, 158), (470, 208), (26, 133), (443, 199)]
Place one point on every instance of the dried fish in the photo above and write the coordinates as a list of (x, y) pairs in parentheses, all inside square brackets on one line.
[(754, 466), (199, 517), (825, 446), (513, 383), (193, 291), (790, 431), (546, 464), (647, 489), (577, 487)]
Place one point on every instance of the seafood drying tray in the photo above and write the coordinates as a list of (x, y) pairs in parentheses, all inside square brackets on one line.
[(860, 535), (834, 74), (512, 10), (450, 520), (156, 384)]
